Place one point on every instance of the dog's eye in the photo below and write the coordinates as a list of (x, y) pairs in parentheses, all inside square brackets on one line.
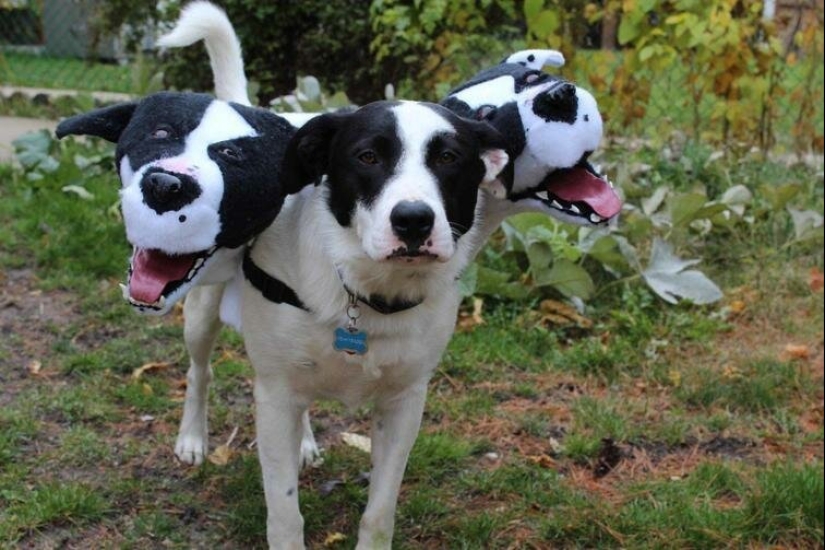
[(446, 157), (368, 157), (161, 133)]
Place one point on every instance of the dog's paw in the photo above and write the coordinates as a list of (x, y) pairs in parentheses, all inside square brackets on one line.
[(310, 453), (190, 449)]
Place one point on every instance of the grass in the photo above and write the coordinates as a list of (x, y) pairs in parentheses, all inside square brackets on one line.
[(43, 71), (658, 427)]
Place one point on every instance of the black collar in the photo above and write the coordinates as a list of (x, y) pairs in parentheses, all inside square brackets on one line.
[(278, 292), (380, 303), (272, 289)]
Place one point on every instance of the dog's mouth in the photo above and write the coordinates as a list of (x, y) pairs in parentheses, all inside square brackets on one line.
[(154, 275), (579, 193), (416, 256)]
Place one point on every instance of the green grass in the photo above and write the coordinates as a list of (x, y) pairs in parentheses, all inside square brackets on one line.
[(720, 441), (42, 71)]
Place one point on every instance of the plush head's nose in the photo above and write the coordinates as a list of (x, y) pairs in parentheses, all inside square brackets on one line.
[(557, 104), (164, 191)]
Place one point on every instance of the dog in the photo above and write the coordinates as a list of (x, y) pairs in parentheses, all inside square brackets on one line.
[(350, 293), (200, 177)]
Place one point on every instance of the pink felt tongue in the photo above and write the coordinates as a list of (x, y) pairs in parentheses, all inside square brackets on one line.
[(152, 270), (579, 185)]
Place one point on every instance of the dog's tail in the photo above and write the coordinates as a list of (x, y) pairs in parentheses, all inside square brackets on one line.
[(201, 20)]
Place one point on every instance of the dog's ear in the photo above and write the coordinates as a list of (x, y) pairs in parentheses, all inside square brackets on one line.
[(107, 123), (498, 168), (307, 155)]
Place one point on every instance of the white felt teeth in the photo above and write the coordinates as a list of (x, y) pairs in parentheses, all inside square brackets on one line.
[(556, 204), (543, 195), (595, 218), (124, 290), (575, 209)]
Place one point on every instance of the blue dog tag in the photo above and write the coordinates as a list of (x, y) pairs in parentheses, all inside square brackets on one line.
[(350, 341)]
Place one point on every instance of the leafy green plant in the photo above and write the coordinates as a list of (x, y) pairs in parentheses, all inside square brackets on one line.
[(733, 69), (539, 256)]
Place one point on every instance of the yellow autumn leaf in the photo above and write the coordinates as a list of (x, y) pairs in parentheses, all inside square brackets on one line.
[(221, 455), (334, 538), (138, 372)]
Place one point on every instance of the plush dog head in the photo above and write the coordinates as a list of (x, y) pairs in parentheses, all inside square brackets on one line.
[(551, 127), (199, 176), (402, 177)]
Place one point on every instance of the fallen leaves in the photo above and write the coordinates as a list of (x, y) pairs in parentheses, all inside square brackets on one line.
[(223, 454), (334, 538), (467, 321), (799, 352), (816, 280), (34, 367), (140, 371), (360, 442)]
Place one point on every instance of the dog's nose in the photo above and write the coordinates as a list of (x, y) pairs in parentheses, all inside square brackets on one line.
[(558, 104), (412, 222), (164, 192)]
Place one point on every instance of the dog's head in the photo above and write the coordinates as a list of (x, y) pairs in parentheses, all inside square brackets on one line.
[(551, 127), (402, 177), (200, 177)]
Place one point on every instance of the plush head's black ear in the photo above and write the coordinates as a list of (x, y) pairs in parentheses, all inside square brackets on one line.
[(107, 123), (307, 155)]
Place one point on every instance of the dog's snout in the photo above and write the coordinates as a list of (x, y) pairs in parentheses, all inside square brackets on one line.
[(412, 222), (165, 192), (558, 104)]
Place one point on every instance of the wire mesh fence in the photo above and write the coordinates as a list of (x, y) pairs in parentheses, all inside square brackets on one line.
[(55, 44)]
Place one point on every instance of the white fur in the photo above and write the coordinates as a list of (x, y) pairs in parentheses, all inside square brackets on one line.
[(540, 58), (568, 141), (204, 21)]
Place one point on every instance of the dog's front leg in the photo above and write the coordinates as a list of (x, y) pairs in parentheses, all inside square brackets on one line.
[(200, 330), (279, 428), (394, 429)]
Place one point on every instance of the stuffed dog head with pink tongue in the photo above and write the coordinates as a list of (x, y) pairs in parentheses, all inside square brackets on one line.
[(200, 177), (552, 126)]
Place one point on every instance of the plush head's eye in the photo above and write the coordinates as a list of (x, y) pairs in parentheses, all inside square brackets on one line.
[(161, 132), (229, 152), (368, 157)]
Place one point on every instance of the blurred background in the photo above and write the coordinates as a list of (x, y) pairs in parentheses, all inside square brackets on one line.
[(741, 73)]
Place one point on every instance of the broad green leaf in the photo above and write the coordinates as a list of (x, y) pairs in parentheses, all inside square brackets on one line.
[(532, 9), (546, 24), (497, 283), (807, 224), (652, 203), (468, 282), (629, 29), (780, 196), (737, 198), (684, 207), (568, 278), (32, 148), (310, 88), (667, 276)]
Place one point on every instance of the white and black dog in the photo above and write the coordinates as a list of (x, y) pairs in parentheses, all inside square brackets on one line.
[(351, 292)]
